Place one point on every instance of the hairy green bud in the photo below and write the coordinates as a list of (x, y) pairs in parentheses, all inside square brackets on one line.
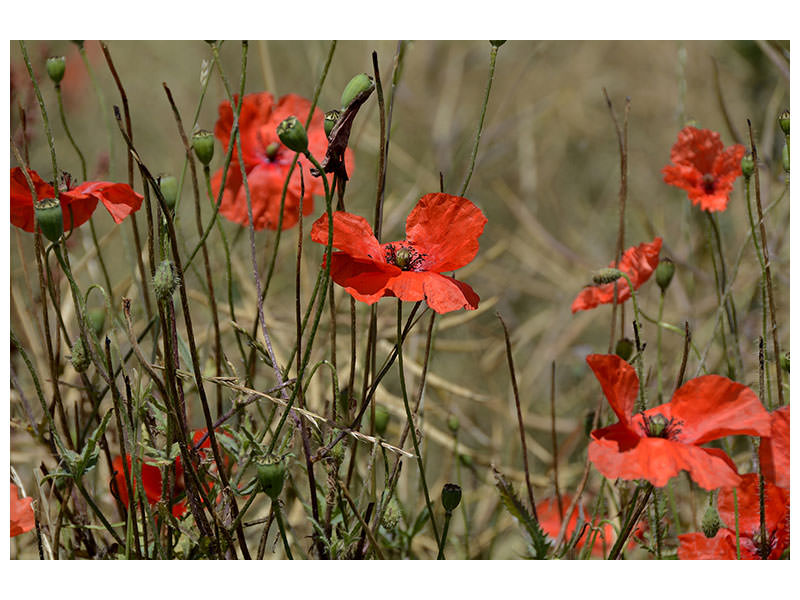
[(80, 358), (165, 280)]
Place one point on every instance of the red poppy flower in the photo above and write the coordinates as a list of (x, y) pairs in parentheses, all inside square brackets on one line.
[(657, 444), (441, 235), (774, 450), (638, 263), (550, 520), (22, 518), (696, 546), (77, 204), (267, 161), (704, 168), (151, 480)]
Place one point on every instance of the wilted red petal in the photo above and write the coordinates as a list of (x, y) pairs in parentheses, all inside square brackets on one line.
[(445, 229), (712, 407), (21, 200), (118, 198), (22, 517), (774, 450), (619, 382), (365, 280), (638, 262)]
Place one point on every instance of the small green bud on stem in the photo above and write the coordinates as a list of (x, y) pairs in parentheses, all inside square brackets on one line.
[(270, 475), (451, 496), (203, 145), (168, 185), (56, 65), (358, 84), (293, 135), (664, 272)]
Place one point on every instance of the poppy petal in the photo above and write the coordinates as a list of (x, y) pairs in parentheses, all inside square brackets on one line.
[(619, 382), (118, 198), (712, 407), (445, 229), (774, 450), (21, 200), (365, 280), (696, 546), (352, 235), (22, 516), (443, 294)]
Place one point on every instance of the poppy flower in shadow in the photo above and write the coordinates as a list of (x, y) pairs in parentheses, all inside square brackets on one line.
[(151, 480), (441, 235), (77, 203), (267, 161), (638, 263), (752, 545), (22, 517), (704, 168), (600, 536), (659, 443), (773, 451)]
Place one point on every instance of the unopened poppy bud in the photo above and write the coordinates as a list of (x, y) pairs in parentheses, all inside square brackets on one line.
[(80, 358), (497, 43), (358, 84), (56, 65), (607, 275), (96, 319), (331, 118), (203, 144), (381, 419), (785, 157), (748, 166), (624, 349), (337, 453), (270, 476), (165, 280), (664, 272), (452, 423), (293, 134), (710, 523), (451, 496), (784, 360), (50, 218), (391, 516), (783, 121), (168, 185)]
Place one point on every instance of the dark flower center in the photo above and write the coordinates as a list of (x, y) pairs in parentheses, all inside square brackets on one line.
[(658, 426), (758, 546), (708, 183), (404, 256)]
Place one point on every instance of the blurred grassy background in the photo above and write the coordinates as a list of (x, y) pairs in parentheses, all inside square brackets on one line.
[(547, 177)]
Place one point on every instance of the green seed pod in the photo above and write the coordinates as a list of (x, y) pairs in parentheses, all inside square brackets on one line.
[(710, 523), (272, 150), (785, 157), (783, 121), (165, 280), (624, 349), (497, 43), (607, 275), (392, 515), (331, 118), (381, 419), (270, 475), (784, 361), (358, 84), (293, 135), (748, 166), (56, 65), (451, 496), (50, 218), (168, 185), (80, 358), (96, 319), (664, 272), (656, 425), (203, 144), (452, 423)]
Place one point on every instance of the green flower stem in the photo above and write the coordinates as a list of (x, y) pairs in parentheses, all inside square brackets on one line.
[(632, 517), (276, 509), (68, 132), (97, 511), (642, 401), (410, 419), (659, 387), (492, 61), (101, 101), (447, 516)]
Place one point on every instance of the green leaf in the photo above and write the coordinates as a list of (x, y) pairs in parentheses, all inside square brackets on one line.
[(539, 542), (90, 452)]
